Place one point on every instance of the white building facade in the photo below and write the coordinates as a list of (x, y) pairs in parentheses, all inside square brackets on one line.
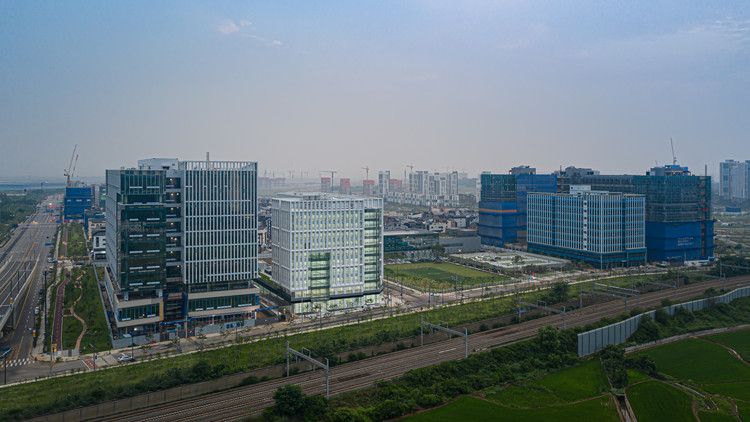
[(734, 179), (605, 229), (327, 250)]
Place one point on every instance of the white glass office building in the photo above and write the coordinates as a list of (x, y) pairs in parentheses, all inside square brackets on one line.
[(327, 250)]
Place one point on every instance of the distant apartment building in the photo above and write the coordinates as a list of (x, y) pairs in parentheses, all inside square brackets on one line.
[(368, 187), (326, 184), (428, 189), (327, 250), (181, 240), (345, 186), (734, 180), (601, 228), (384, 183)]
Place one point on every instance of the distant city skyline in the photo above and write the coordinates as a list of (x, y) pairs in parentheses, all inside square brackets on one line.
[(338, 85)]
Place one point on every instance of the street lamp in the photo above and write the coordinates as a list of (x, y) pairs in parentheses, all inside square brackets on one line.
[(93, 346)]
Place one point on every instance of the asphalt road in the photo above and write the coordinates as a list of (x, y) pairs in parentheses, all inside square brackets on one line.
[(17, 261)]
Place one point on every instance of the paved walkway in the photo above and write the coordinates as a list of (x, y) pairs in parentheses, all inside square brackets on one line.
[(73, 312)]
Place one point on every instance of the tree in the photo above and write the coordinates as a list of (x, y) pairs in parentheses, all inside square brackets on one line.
[(438, 250), (289, 400), (549, 339)]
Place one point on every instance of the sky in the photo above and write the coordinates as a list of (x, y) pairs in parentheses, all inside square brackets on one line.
[(339, 85)]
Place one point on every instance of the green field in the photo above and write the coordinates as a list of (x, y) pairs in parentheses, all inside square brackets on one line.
[(715, 417), (472, 408), (699, 361), (432, 275), (587, 380), (738, 390), (659, 402), (77, 243), (743, 410), (737, 340), (524, 397)]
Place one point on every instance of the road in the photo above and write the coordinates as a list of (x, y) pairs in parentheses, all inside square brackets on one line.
[(233, 404), (17, 261)]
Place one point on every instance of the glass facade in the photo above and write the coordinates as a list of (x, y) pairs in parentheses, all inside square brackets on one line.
[(598, 227), (327, 248), (220, 215)]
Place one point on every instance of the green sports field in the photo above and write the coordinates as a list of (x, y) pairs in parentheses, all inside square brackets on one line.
[(440, 275)]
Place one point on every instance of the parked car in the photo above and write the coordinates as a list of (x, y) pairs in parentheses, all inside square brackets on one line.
[(125, 358)]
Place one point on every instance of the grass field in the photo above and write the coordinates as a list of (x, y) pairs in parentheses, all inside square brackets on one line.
[(587, 380), (524, 397), (738, 390), (71, 330), (743, 410), (472, 408), (659, 402), (699, 361), (715, 417), (440, 275), (77, 244), (737, 340), (89, 307), (636, 376)]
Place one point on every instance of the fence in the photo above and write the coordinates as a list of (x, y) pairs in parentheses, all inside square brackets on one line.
[(595, 340)]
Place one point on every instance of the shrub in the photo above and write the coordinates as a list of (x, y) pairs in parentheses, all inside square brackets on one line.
[(289, 400)]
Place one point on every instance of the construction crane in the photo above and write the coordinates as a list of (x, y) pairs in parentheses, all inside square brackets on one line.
[(411, 170), (674, 157), (329, 171), (67, 172), (75, 163), (367, 172)]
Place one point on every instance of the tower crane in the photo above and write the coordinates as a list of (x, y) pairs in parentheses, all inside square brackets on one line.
[(66, 172), (75, 163), (367, 172), (329, 171), (674, 157)]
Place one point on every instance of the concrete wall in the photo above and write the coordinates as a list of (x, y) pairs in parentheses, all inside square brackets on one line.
[(595, 340)]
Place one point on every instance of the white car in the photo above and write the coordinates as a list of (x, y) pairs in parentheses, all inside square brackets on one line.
[(125, 358)]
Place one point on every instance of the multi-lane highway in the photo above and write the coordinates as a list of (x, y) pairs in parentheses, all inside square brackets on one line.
[(23, 257)]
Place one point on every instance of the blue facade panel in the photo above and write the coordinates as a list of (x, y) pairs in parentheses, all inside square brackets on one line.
[(528, 183), (77, 201), (679, 241), (498, 222)]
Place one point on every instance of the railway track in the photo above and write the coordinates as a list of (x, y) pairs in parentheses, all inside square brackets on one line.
[(238, 402)]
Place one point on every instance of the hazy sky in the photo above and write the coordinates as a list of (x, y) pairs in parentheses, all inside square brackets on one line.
[(339, 85)]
